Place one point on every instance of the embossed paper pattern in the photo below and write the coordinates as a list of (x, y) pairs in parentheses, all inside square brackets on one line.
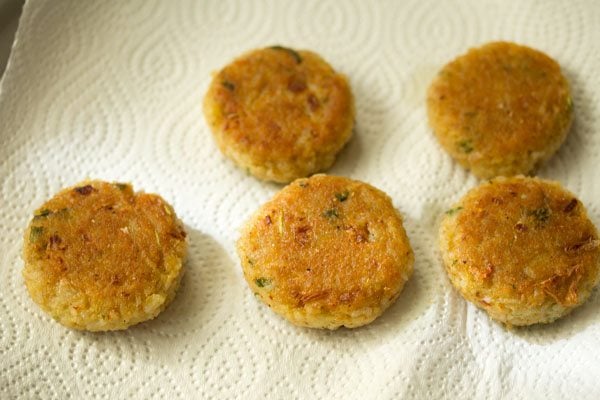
[(113, 90)]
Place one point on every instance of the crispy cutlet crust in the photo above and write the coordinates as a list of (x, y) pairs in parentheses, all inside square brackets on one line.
[(326, 252), (100, 257), (279, 113), (500, 109), (523, 249)]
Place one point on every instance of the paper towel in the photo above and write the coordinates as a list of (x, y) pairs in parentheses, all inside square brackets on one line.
[(113, 90)]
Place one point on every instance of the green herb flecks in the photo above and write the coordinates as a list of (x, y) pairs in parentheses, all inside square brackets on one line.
[(466, 146), (331, 213), (454, 210), (262, 282), (291, 52), (42, 214), (569, 104), (541, 215), (35, 233), (121, 186), (342, 196), (250, 262), (228, 85)]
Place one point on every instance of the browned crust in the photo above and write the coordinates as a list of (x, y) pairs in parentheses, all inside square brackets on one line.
[(517, 245), (106, 250), (280, 113), (328, 247), (500, 109)]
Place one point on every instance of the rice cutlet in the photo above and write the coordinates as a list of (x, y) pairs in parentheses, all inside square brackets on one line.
[(279, 113), (100, 257), (326, 252), (500, 109), (523, 249)]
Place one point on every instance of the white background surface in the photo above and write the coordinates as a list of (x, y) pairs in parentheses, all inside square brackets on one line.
[(113, 90)]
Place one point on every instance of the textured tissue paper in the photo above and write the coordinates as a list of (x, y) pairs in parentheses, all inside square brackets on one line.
[(113, 90)]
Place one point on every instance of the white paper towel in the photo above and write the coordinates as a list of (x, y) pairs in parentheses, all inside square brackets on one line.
[(113, 90)]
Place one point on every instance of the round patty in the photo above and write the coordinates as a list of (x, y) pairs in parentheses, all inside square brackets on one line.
[(523, 249), (501, 109), (326, 252), (279, 113), (100, 257)]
